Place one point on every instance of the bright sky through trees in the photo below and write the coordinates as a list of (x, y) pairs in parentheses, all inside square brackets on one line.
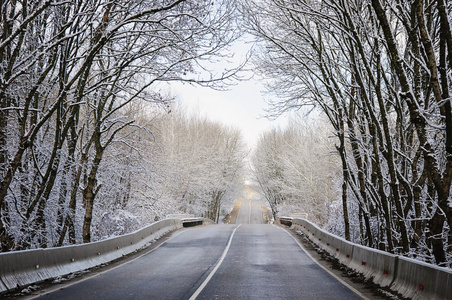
[(242, 106)]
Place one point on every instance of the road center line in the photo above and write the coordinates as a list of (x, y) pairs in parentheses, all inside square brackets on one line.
[(203, 285)]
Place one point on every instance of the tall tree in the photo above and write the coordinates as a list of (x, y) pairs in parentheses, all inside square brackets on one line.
[(380, 73), (69, 71)]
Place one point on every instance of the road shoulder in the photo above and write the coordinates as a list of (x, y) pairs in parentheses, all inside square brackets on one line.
[(368, 289)]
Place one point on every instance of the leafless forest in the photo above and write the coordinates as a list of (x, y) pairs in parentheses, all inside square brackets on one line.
[(91, 145), (381, 72), (88, 145)]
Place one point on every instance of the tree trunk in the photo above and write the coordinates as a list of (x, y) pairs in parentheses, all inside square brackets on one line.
[(345, 211), (89, 193), (345, 179), (436, 225)]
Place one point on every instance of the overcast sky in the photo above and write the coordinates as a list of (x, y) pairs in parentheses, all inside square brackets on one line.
[(243, 106)]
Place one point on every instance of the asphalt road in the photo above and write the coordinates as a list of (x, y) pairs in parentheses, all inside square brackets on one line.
[(247, 260), (250, 212)]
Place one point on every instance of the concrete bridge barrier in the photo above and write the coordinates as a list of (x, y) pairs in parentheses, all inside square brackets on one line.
[(410, 278), (22, 268), (374, 264), (419, 280), (335, 246)]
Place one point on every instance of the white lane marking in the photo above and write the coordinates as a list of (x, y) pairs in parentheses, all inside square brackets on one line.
[(331, 273), (203, 285)]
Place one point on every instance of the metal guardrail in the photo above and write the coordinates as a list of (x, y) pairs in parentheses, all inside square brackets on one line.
[(189, 222), (411, 278), (285, 221), (299, 215), (179, 216)]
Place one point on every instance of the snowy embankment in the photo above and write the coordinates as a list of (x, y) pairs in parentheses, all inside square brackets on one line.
[(411, 278), (21, 268)]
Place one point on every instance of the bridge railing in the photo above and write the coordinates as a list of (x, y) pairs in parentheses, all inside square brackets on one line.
[(189, 220), (410, 278), (21, 268)]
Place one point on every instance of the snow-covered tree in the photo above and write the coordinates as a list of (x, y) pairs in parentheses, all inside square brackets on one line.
[(68, 73), (200, 164), (381, 73), (296, 169)]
